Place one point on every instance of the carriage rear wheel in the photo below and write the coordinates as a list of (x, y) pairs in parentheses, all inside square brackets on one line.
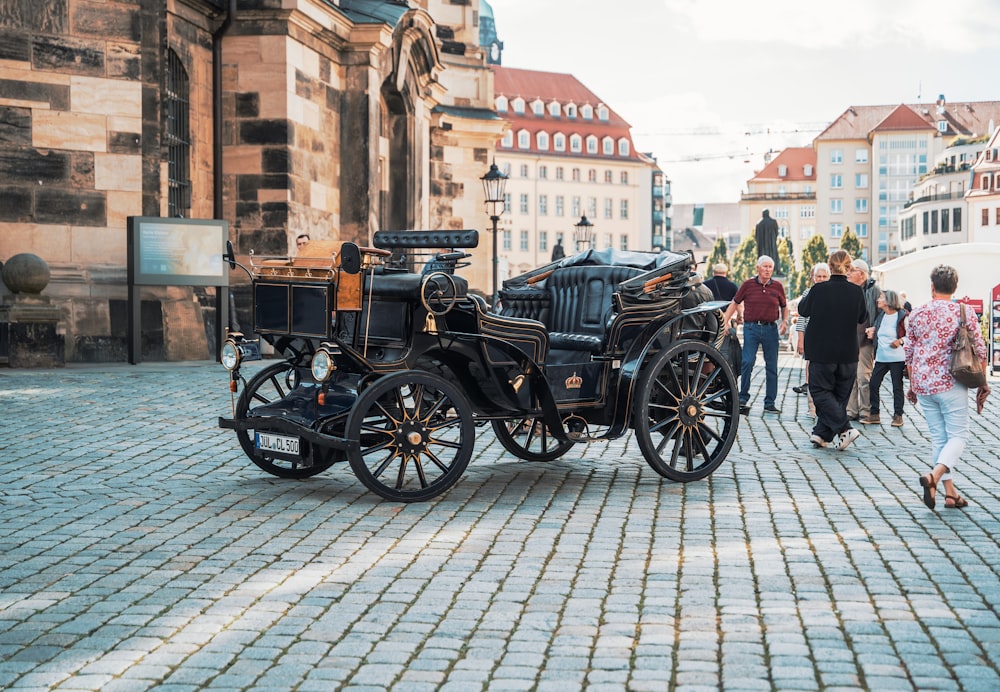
[(529, 439), (686, 411), (272, 384), (415, 433)]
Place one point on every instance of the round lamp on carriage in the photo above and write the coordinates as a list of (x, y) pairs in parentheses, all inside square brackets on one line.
[(494, 184), (583, 232)]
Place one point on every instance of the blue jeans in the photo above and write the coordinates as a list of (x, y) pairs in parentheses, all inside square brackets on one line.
[(764, 336), (947, 416)]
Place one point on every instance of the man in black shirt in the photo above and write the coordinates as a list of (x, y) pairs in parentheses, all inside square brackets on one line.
[(720, 286)]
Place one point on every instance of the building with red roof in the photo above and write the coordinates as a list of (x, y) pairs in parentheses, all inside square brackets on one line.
[(787, 188)]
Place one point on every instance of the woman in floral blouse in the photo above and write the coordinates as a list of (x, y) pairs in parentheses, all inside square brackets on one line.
[(931, 330)]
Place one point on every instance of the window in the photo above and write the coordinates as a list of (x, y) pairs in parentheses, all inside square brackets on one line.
[(559, 205), (624, 244), (624, 209), (518, 104), (608, 146), (984, 182), (524, 203), (502, 104), (576, 208), (860, 156), (836, 156), (861, 205), (508, 139), (542, 140), (587, 112), (592, 176), (554, 110), (836, 230), (623, 147), (861, 181), (538, 108), (997, 220), (836, 206), (524, 170), (543, 205), (608, 176), (523, 139), (559, 142), (559, 173), (176, 101), (956, 219), (836, 181), (543, 240), (506, 240), (570, 110), (543, 172), (986, 217), (576, 175), (602, 113), (782, 171), (575, 143), (861, 229), (591, 144), (624, 178), (524, 241), (608, 239), (782, 191), (944, 221), (807, 211), (506, 203), (609, 208), (934, 221), (592, 207)]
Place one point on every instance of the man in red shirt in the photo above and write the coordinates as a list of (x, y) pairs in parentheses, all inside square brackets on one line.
[(765, 319)]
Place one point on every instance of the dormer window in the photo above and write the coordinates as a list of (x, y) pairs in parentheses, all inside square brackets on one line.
[(542, 141), (570, 110), (559, 141), (608, 146), (554, 109), (587, 112), (808, 170), (575, 143), (591, 144), (502, 104), (518, 105), (942, 126), (508, 139), (523, 139), (623, 147), (603, 113), (538, 108), (782, 171)]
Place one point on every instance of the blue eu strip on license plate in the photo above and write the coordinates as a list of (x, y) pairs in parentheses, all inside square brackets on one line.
[(278, 444)]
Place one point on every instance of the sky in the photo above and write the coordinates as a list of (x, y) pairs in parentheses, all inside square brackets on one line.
[(710, 86)]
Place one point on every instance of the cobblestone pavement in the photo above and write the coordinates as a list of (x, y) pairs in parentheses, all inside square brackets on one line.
[(140, 549)]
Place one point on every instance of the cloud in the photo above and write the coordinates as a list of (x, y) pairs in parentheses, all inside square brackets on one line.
[(966, 26)]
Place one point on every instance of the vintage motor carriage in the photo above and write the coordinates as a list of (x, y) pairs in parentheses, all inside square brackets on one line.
[(394, 370)]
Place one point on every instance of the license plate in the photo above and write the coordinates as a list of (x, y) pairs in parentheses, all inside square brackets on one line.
[(277, 444)]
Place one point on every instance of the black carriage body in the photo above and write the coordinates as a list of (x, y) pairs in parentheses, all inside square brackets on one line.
[(564, 359)]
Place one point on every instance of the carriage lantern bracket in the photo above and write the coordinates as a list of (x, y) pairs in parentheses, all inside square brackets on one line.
[(494, 185), (583, 232)]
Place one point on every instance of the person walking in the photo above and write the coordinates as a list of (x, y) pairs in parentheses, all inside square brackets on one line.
[(887, 336), (835, 308), (820, 273), (945, 402), (858, 404), (720, 285), (765, 319)]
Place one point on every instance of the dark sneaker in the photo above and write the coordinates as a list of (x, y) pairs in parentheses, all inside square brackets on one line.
[(772, 409), (801, 389), (744, 409)]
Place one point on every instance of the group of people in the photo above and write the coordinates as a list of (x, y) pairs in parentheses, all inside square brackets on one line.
[(852, 334)]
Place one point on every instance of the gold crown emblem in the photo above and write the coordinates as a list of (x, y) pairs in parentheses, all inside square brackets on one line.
[(574, 382)]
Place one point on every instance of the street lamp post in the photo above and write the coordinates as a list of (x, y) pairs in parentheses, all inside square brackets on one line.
[(494, 183), (583, 232)]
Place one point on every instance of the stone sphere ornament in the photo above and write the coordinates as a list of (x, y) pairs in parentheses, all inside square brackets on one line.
[(26, 273)]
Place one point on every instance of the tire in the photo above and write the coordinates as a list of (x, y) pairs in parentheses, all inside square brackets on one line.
[(267, 386), (529, 439), (416, 435), (686, 411)]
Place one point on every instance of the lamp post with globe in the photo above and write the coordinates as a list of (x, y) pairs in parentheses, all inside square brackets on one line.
[(494, 185)]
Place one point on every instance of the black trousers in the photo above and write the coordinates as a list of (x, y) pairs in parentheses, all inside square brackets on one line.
[(830, 386), (895, 371)]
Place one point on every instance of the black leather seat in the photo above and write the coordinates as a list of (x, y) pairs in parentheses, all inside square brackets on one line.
[(580, 305), (403, 285)]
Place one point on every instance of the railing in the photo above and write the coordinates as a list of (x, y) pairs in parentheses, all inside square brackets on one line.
[(944, 196), (776, 196)]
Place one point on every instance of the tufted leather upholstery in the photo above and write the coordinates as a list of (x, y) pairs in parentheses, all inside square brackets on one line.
[(580, 309), (529, 304)]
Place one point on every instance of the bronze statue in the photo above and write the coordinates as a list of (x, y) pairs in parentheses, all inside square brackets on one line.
[(766, 236)]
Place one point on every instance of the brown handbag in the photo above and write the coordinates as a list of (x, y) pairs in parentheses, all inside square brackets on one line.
[(965, 364)]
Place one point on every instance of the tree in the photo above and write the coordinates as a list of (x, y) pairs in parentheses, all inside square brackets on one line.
[(720, 253), (813, 252), (850, 244), (744, 260)]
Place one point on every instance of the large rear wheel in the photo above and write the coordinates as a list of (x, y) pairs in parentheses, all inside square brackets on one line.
[(415, 436), (686, 411)]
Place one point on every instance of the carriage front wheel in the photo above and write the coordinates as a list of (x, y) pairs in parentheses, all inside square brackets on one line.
[(686, 411), (415, 436)]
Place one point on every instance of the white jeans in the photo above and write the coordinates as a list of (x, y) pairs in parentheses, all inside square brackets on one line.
[(947, 416)]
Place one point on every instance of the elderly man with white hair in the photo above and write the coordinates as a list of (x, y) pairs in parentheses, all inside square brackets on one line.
[(765, 319), (859, 404)]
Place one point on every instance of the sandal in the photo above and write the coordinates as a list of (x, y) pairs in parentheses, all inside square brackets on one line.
[(957, 502), (930, 489)]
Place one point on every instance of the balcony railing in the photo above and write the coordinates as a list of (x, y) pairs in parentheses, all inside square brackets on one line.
[(777, 196), (942, 197)]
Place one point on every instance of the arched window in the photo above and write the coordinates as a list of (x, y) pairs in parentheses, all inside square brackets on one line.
[(602, 113), (537, 107), (518, 105), (176, 102), (502, 104), (554, 109), (587, 112)]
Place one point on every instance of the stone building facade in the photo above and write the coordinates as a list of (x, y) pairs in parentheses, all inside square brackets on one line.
[(334, 118)]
